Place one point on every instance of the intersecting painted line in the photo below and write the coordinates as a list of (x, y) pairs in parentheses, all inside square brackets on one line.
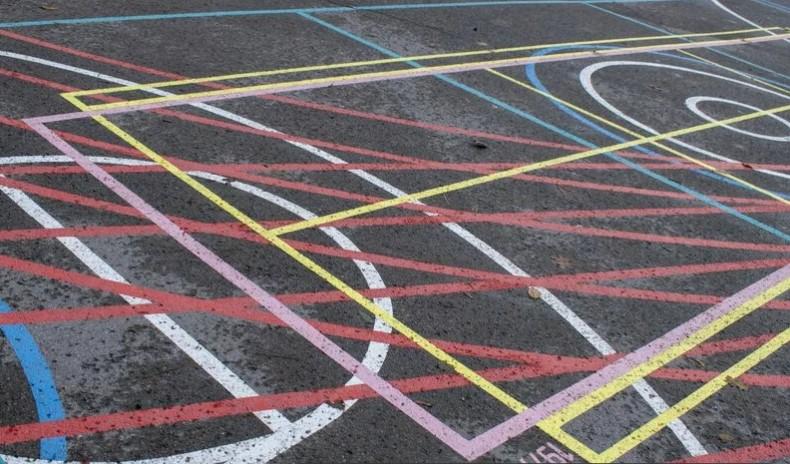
[(412, 72), (473, 182), (694, 399), (435, 56), (466, 448), (751, 64), (267, 301), (41, 382), (339, 9), (525, 115), (575, 108)]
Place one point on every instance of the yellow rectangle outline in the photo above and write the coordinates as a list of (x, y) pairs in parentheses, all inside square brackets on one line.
[(591, 400), (381, 75), (547, 425), (369, 208), (352, 64), (632, 133)]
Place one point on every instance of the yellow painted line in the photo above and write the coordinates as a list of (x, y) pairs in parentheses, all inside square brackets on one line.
[(617, 385), (423, 71), (436, 56), (366, 209), (735, 71), (693, 400), (470, 375), (675, 152), (550, 425), (570, 442), (369, 305)]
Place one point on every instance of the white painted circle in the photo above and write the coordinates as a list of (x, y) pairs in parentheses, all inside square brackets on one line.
[(585, 77), (692, 103)]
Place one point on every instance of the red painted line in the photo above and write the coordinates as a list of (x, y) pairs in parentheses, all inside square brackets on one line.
[(700, 376), (114, 148), (735, 344), (238, 406), (448, 216), (86, 55), (443, 166), (415, 161), (764, 452), (553, 227)]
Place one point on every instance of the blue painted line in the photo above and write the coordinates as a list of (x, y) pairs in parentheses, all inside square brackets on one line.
[(534, 80), (40, 380), (523, 114), (316, 10), (714, 50), (773, 5)]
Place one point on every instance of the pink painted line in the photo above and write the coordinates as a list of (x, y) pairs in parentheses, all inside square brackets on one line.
[(386, 390), (528, 419), (469, 449), (418, 72)]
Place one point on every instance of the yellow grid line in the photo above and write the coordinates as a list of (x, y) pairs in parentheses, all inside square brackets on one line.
[(549, 425), (593, 399), (435, 56), (688, 403), (369, 208), (632, 133), (412, 72)]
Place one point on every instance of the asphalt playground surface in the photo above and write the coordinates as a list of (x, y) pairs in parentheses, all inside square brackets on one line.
[(591, 268)]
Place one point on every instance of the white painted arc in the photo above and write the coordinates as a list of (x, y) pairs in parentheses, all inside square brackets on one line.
[(287, 434), (692, 103), (692, 445), (586, 76)]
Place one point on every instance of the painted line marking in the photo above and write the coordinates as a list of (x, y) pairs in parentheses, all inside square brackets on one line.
[(335, 81), (632, 133), (341, 9), (694, 399), (369, 208), (40, 381), (353, 64), (591, 400), (339, 284), (467, 448)]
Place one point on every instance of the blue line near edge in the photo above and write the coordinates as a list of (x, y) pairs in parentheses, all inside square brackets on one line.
[(700, 196), (241, 13), (42, 386), (533, 78), (714, 50)]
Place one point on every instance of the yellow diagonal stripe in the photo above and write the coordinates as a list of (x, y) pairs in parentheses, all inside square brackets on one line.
[(366, 209), (675, 152), (595, 398), (693, 400), (422, 71), (436, 56), (354, 295)]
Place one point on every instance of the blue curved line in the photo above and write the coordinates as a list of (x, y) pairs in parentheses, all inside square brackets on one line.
[(42, 385), (532, 76), (547, 125)]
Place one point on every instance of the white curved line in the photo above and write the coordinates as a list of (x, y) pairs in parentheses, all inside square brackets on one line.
[(692, 103), (288, 434), (586, 80), (746, 20), (579, 325)]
